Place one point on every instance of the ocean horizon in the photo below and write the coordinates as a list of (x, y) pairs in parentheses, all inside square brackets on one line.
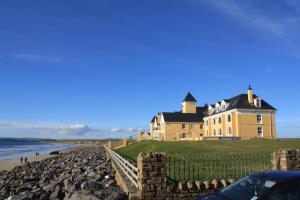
[(11, 148)]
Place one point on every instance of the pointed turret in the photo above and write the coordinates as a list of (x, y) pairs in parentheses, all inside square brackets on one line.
[(189, 104), (189, 98)]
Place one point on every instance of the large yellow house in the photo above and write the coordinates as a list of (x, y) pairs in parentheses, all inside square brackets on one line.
[(245, 116)]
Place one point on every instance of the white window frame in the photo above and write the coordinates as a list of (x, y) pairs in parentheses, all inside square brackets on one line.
[(220, 121), (220, 132), (260, 131), (229, 131), (183, 126), (261, 118), (215, 132)]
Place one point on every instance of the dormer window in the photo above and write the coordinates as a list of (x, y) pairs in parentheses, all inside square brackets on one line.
[(257, 102), (223, 107)]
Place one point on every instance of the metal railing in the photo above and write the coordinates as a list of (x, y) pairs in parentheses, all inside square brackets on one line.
[(129, 169), (208, 166)]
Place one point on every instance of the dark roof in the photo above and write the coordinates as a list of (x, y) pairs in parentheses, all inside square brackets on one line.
[(189, 98), (241, 102), (185, 117), (153, 119)]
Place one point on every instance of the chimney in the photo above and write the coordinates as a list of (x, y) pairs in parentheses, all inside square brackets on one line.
[(250, 95)]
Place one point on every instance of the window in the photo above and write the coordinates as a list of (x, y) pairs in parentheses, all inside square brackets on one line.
[(229, 131), (214, 121), (215, 132), (228, 118), (257, 102), (260, 132), (183, 135), (201, 126), (220, 120), (259, 119), (220, 131), (223, 107), (289, 190), (183, 126)]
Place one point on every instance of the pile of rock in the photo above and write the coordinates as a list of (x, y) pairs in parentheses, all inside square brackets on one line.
[(83, 174)]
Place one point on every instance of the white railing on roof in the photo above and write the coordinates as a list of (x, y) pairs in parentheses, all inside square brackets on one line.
[(129, 169)]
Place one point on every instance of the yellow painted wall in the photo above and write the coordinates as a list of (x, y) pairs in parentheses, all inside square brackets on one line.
[(189, 107), (174, 130)]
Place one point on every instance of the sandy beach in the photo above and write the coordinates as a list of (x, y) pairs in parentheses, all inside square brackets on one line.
[(7, 165)]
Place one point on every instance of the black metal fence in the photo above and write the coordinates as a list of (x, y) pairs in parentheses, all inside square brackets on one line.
[(186, 167)]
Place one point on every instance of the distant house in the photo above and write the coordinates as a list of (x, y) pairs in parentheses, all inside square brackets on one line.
[(142, 135), (245, 116)]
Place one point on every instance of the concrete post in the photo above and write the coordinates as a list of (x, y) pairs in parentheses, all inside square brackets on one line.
[(152, 176)]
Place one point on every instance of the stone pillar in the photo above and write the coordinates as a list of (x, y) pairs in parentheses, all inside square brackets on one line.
[(152, 176), (286, 159), (109, 144)]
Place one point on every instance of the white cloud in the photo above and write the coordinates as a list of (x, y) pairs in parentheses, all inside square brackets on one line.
[(115, 129), (76, 129), (62, 131), (252, 17), (36, 57)]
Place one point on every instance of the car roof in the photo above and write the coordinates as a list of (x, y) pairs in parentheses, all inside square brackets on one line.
[(277, 175)]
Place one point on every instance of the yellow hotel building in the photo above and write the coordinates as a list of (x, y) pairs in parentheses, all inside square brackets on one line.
[(245, 116)]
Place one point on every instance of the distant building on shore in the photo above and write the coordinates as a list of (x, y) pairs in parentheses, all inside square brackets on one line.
[(143, 135), (245, 116)]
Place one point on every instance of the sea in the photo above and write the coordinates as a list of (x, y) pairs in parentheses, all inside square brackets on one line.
[(11, 148)]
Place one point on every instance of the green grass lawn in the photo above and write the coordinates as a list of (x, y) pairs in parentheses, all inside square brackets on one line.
[(208, 147), (212, 159)]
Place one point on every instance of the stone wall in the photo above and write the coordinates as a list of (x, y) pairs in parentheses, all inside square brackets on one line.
[(153, 182), (286, 159)]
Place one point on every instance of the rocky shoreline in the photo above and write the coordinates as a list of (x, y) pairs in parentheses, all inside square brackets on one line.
[(83, 174)]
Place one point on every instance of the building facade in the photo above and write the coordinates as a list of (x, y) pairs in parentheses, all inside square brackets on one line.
[(245, 116)]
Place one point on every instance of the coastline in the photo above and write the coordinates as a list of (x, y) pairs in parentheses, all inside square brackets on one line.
[(9, 164)]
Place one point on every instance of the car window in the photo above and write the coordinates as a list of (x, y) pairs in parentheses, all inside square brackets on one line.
[(246, 188), (286, 191)]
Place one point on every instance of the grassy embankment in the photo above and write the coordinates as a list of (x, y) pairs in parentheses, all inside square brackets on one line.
[(208, 159), (209, 147)]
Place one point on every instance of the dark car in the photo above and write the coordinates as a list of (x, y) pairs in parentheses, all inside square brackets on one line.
[(275, 185)]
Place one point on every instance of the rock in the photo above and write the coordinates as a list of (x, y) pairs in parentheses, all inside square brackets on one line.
[(78, 174), (22, 196), (54, 153), (57, 194), (77, 196), (92, 175)]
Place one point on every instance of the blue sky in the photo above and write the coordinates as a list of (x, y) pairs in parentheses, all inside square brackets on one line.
[(93, 69)]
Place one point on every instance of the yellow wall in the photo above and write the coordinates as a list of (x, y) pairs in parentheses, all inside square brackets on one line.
[(243, 124), (189, 107), (173, 131)]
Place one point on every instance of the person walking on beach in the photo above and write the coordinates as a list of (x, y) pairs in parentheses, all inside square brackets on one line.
[(25, 160), (21, 159)]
